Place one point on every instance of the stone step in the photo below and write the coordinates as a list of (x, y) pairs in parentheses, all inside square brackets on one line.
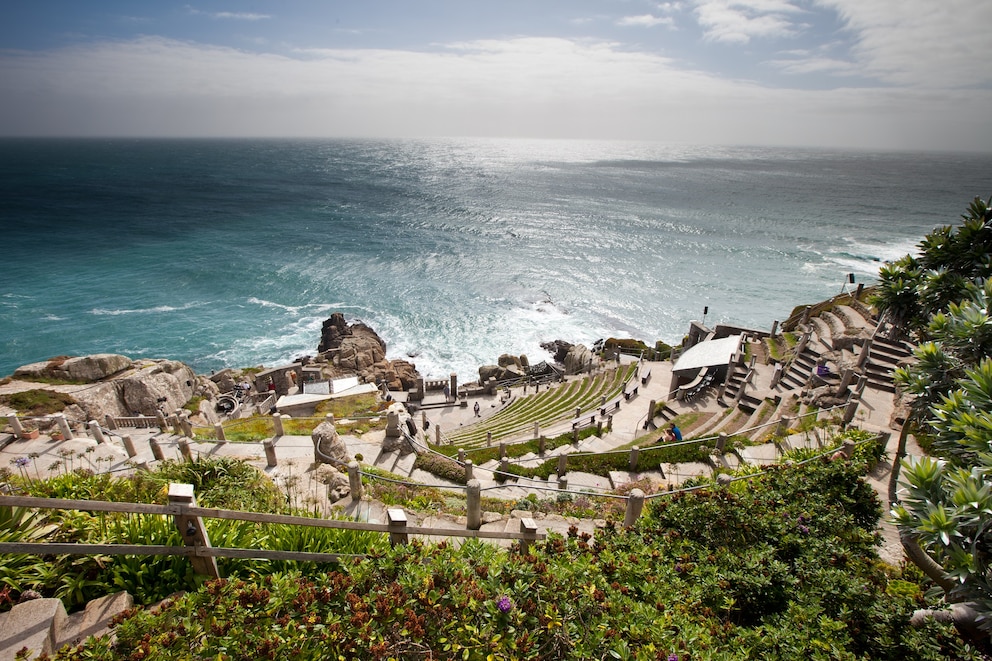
[(96, 619)]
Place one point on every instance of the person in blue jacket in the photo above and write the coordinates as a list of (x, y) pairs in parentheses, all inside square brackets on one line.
[(674, 433)]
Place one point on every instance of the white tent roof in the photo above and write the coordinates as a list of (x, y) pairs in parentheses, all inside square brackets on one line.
[(708, 354)]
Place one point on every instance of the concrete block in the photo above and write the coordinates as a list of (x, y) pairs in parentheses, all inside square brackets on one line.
[(34, 624)]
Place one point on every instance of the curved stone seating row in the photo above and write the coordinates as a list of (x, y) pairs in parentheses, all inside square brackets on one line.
[(545, 408)]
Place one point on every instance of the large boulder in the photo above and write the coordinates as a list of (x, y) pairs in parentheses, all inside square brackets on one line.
[(87, 369), (578, 359), (558, 349), (328, 448), (358, 349)]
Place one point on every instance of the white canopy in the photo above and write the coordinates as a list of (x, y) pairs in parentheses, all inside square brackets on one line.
[(708, 354)]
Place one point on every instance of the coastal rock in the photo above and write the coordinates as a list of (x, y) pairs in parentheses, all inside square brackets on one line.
[(558, 349), (358, 349), (507, 360), (487, 372), (87, 369), (328, 448), (578, 359), (168, 383)]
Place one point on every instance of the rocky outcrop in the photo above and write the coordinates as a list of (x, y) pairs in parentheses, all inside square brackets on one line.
[(558, 349), (579, 358), (85, 369), (328, 448), (356, 348)]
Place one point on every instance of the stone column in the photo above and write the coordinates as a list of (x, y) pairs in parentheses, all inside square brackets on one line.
[(473, 504), (94, 428), (219, 432), (16, 425), (632, 462), (64, 426), (129, 445), (156, 449), (185, 450), (453, 384), (280, 430), (354, 481), (468, 470), (635, 503), (270, 453)]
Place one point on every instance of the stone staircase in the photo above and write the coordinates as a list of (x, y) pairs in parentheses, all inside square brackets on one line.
[(42, 626)]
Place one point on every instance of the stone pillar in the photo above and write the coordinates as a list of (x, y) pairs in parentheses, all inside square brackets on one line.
[(473, 505), (575, 437), (396, 519), (94, 428), (504, 466), (437, 434), (468, 470), (161, 421), (562, 483), (502, 450), (776, 375), (537, 429), (354, 481), (609, 423), (420, 389), (721, 443), (186, 425), (453, 384), (461, 455), (185, 450), (280, 430), (562, 464), (16, 425), (845, 380), (64, 426), (784, 423), (632, 462), (193, 532), (578, 411), (174, 422), (864, 354), (542, 444), (270, 453), (650, 418), (635, 503), (850, 410), (219, 433), (774, 328), (806, 313), (848, 449), (129, 445), (156, 449), (111, 422), (489, 439)]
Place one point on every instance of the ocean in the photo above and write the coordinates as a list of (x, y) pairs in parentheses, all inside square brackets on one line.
[(231, 253)]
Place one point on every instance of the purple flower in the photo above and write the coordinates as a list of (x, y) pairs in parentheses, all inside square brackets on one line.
[(804, 530), (678, 568), (21, 462), (673, 657), (504, 604)]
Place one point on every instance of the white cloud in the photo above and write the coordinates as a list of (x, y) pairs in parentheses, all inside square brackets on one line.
[(941, 43), (739, 21), (646, 20), (527, 87), (229, 15)]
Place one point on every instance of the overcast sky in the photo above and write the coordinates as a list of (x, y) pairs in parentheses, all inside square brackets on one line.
[(899, 74)]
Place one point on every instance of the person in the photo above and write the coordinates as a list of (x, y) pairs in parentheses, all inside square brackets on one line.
[(447, 393), (477, 414), (674, 433)]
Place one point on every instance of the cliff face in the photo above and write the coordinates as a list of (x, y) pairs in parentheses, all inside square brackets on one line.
[(359, 349)]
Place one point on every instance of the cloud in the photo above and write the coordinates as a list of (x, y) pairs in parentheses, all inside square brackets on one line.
[(647, 21), (524, 87), (920, 42), (739, 21), (229, 15)]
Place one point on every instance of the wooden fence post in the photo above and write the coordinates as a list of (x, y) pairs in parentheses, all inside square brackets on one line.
[(468, 470), (192, 529), (529, 528), (562, 464), (219, 432), (280, 429), (64, 426), (185, 450), (396, 519)]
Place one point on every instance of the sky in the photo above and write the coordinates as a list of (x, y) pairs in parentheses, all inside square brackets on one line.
[(877, 74)]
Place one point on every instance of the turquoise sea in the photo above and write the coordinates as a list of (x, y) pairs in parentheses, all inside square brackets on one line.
[(232, 253)]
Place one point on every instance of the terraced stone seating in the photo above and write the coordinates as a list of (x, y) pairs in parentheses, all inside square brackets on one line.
[(516, 421)]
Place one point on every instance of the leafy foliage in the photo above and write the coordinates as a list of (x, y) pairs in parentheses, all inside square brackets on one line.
[(782, 570)]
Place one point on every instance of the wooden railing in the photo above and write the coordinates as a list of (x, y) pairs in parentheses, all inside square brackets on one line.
[(189, 520)]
